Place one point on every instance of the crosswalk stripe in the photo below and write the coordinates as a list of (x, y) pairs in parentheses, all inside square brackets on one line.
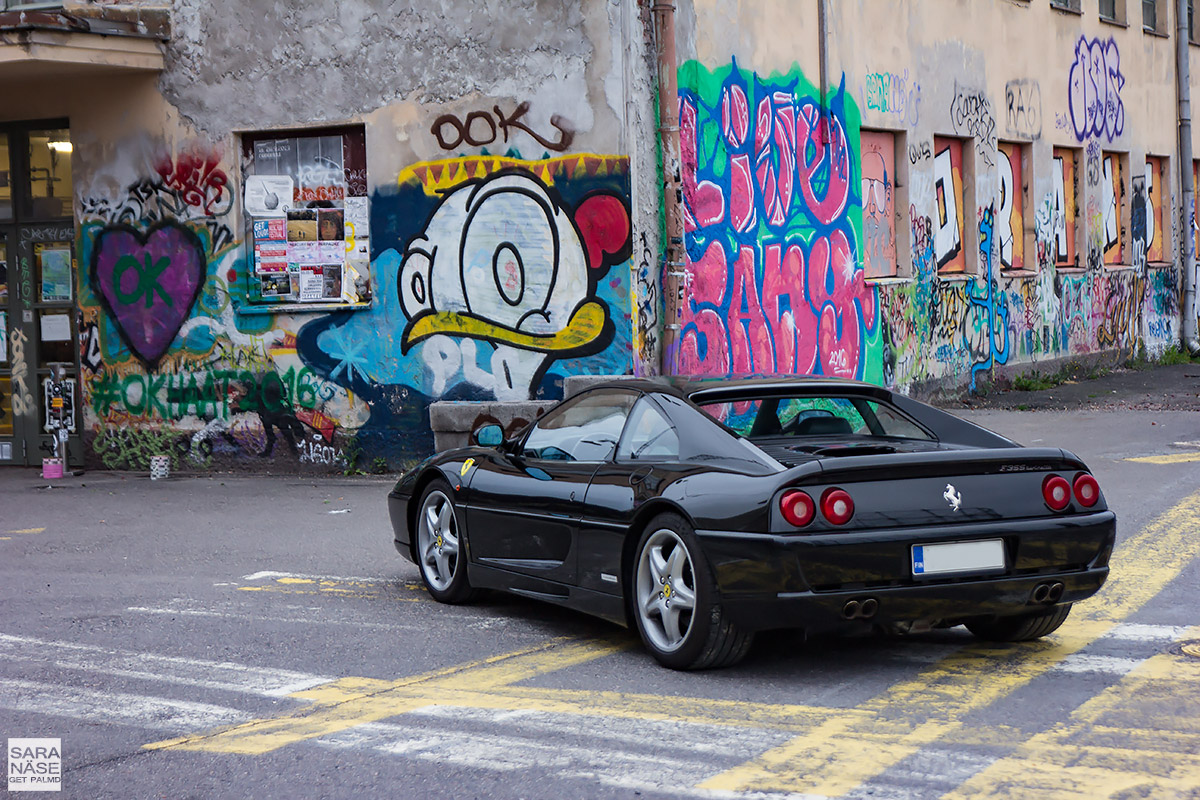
[(110, 708), (222, 675)]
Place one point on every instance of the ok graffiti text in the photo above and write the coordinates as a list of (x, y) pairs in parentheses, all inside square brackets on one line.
[(213, 393)]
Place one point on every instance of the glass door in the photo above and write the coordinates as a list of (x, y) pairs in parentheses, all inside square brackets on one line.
[(39, 386)]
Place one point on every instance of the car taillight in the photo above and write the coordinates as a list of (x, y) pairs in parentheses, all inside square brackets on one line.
[(837, 506), (1057, 492), (797, 507), (1087, 491)]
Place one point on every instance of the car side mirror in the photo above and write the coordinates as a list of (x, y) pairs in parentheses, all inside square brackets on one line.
[(491, 435)]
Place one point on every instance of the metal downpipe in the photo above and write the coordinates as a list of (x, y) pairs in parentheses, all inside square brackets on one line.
[(1188, 337), (673, 274)]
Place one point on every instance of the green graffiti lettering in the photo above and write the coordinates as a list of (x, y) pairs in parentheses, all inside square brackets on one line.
[(147, 282)]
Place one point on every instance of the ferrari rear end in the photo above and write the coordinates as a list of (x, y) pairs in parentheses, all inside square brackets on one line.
[(1003, 540)]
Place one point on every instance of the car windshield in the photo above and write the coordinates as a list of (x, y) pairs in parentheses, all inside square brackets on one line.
[(813, 416)]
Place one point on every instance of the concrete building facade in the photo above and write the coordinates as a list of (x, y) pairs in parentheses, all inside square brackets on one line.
[(271, 234)]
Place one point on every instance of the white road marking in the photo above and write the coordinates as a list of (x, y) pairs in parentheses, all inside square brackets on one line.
[(1147, 633), (240, 613), (1111, 665), (659, 756), (221, 675), (114, 707)]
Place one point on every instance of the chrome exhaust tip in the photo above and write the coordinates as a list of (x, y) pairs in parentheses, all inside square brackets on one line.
[(1041, 592), (851, 609), (1055, 594), (868, 608)]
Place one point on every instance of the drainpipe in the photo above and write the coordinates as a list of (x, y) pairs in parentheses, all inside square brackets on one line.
[(673, 274), (823, 66), (1188, 193)]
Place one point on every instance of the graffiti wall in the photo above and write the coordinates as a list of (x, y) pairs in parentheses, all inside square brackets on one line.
[(773, 228), (785, 257), (495, 277)]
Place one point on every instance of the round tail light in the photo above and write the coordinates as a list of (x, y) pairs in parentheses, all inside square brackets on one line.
[(797, 507), (1057, 492), (1087, 491), (837, 506)]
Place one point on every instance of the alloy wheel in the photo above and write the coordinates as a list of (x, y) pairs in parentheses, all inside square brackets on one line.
[(666, 590), (437, 540)]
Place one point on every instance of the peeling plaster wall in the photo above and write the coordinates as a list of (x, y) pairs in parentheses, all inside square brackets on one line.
[(173, 364)]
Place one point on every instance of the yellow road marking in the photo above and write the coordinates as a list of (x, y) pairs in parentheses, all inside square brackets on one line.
[(1174, 458), (28, 530), (1139, 738), (828, 760), (352, 701), (310, 586)]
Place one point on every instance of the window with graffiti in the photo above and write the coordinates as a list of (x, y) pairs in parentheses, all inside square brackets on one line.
[(879, 203), (1010, 205), (1111, 218), (1151, 196), (307, 225), (1065, 206), (950, 242)]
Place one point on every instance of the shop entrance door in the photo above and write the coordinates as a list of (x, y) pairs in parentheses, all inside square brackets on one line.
[(39, 357)]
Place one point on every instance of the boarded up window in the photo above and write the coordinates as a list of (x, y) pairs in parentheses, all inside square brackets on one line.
[(1066, 162), (879, 203), (1156, 189), (950, 236), (1112, 192), (1010, 206)]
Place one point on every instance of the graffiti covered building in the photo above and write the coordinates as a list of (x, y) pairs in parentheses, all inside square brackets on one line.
[(274, 245)]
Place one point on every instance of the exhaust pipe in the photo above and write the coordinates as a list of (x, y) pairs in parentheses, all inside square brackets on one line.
[(1041, 593), (1055, 594), (860, 609)]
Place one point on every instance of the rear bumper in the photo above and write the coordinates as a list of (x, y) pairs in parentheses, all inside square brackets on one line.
[(902, 606), (769, 581)]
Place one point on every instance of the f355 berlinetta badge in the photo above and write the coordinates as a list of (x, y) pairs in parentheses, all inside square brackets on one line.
[(952, 496)]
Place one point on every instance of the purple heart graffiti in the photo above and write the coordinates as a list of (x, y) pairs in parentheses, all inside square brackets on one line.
[(148, 282)]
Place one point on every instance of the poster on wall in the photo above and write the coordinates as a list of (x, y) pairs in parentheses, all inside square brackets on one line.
[(268, 195), (55, 327), (270, 246), (281, 285), (320, 282), (357, 231), (56, 273), (59, 405)]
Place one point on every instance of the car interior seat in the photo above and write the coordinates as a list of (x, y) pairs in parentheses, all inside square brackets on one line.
[(823, 426)]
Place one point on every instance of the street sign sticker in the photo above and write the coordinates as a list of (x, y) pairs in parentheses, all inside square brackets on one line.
[(35, 765)]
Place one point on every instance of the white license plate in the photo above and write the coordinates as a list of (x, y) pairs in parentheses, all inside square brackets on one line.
[(940, 559)]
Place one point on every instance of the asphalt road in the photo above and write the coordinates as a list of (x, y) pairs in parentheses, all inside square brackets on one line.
[(259, 637)]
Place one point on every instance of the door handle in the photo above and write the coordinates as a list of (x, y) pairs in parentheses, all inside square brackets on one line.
[(639, 475)]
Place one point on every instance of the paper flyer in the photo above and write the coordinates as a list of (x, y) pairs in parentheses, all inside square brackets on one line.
[(56, 274), (268, 195)]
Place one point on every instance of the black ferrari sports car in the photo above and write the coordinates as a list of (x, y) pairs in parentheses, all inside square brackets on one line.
[(704, 512)]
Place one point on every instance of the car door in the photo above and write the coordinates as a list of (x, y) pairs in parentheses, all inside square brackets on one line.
[(647, 455), (524, 504)]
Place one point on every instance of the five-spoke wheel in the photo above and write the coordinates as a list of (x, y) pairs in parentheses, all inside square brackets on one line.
[(675, 601), (440, 551)]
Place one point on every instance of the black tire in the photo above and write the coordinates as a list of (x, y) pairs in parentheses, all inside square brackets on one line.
[(440, 547), (668, 555), (1020, 627)]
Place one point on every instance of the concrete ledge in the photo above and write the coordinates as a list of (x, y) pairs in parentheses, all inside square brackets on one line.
[(453, 421)]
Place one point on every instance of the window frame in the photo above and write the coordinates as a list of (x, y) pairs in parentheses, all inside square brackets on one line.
[(968, 234), (646, 402), (1071, 215), (354, 166), (898, 189), (1026, 235)]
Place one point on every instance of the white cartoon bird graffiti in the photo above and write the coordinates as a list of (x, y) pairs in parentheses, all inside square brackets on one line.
[(501, 260)]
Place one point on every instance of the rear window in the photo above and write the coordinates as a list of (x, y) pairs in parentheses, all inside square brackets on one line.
[(815, 416)]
